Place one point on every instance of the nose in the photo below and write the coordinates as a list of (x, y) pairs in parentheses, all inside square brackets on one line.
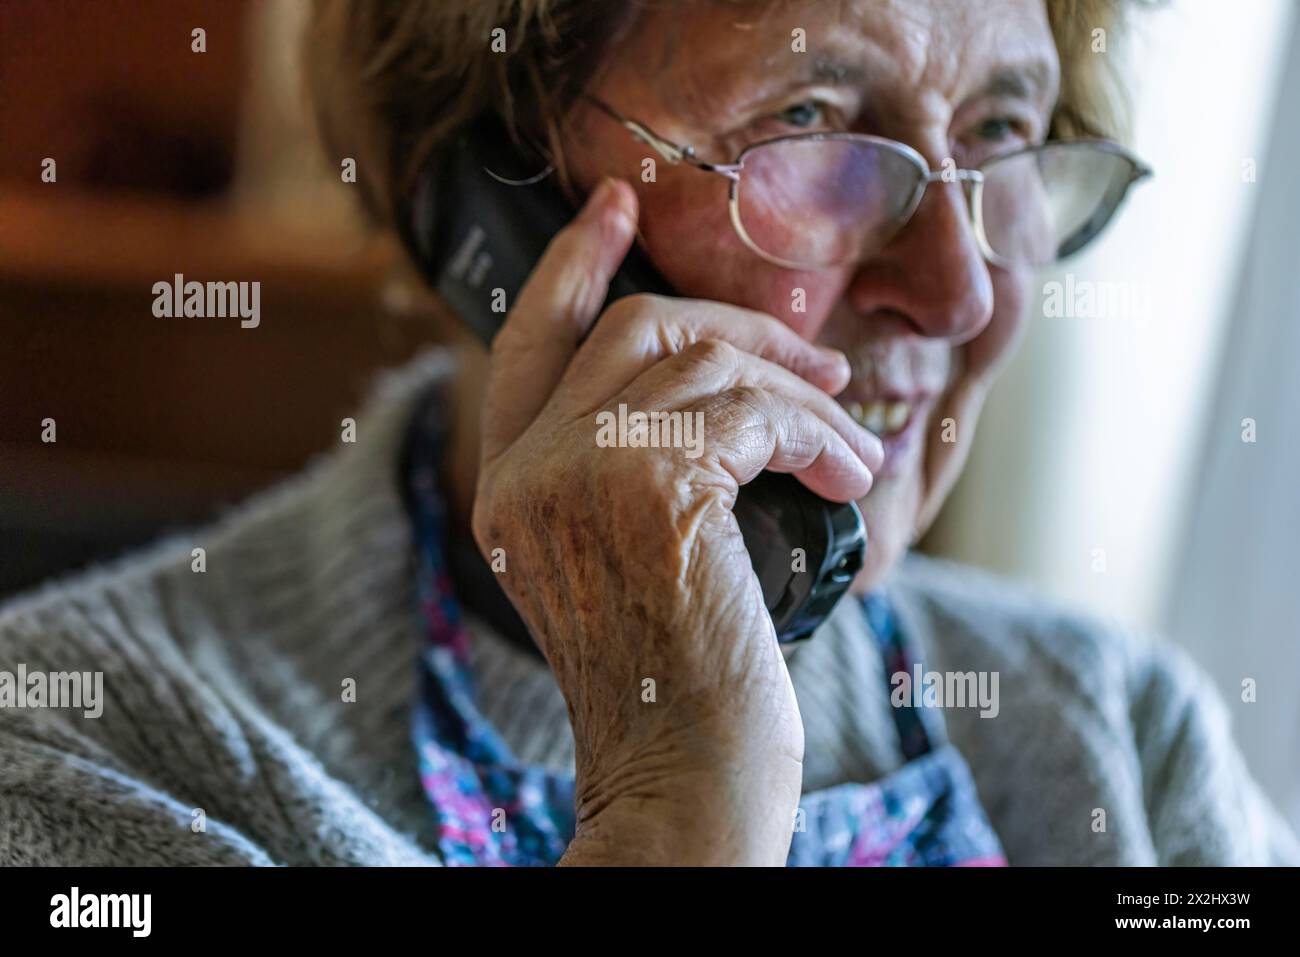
[(932, 271)]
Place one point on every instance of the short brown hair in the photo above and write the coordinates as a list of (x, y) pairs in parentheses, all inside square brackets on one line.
[(393, 80)]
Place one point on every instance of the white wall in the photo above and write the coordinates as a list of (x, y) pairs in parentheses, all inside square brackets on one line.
[(1235, 600)]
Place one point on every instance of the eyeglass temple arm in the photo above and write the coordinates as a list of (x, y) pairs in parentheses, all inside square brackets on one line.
[(666, 148)]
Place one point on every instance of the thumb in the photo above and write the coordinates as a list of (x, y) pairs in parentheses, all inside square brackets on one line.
[(554, 310)]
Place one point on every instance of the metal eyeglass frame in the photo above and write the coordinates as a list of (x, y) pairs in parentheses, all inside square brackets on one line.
[(677, 153)]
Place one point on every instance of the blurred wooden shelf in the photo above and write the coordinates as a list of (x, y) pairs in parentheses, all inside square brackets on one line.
[(55, 234), (164, 419)]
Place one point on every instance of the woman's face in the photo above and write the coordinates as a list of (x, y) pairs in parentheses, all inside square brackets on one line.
[(926, 321)]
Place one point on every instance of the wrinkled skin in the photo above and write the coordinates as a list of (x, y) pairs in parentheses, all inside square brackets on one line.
[(626, 563)]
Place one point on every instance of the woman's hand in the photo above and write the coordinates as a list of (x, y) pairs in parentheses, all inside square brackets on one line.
[(627, 564)]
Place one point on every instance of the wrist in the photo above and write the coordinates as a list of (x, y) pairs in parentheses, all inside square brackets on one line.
[(728, 822)]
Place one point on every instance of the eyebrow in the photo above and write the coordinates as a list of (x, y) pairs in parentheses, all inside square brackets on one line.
[(1027, 81), (1032, 80), (824, 67), (827, 68)]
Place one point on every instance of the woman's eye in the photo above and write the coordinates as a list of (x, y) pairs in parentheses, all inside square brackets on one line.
[(996, 129), (802, 115)]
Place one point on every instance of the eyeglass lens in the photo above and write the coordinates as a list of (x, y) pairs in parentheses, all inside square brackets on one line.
[(828, 201)]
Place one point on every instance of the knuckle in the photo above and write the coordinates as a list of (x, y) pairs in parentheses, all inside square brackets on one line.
[(629, 311), (710, 352), (672, 337), (739, 408), (643, 303), (750, 396)]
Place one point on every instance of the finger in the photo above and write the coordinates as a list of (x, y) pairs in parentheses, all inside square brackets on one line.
[(639, 331), (555, 308), (751, 429), (713, 366)]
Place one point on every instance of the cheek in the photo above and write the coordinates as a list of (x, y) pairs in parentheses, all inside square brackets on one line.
[(988, 353), (686, 227), (982, 359)]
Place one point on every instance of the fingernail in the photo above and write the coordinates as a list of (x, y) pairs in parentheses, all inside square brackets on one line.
[(836, 362), (624, 205), (836, 357), (599, 198)]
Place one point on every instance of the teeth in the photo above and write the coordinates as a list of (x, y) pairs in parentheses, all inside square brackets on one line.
[(873, 417), (881, 418), (896, 416)]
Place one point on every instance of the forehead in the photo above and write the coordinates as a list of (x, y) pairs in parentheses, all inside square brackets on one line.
[(910, 54)]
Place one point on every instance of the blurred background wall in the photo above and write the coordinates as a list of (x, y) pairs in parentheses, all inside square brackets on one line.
[(1110, 470)]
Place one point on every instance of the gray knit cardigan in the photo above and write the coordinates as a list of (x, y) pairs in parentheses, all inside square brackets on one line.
[(258, 711)]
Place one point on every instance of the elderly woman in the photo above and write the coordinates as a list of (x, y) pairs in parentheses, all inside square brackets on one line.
[(480, 636)]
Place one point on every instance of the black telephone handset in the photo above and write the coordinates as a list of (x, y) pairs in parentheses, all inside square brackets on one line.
[(480, 221)]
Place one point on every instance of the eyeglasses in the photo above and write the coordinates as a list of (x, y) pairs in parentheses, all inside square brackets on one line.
[(817, 200)]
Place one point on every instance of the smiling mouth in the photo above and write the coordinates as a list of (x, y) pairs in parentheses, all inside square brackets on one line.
[(899, 424), (881, 417)]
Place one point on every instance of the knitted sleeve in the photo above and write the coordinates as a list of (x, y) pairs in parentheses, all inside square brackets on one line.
[(1202, 803), (125, 740)]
